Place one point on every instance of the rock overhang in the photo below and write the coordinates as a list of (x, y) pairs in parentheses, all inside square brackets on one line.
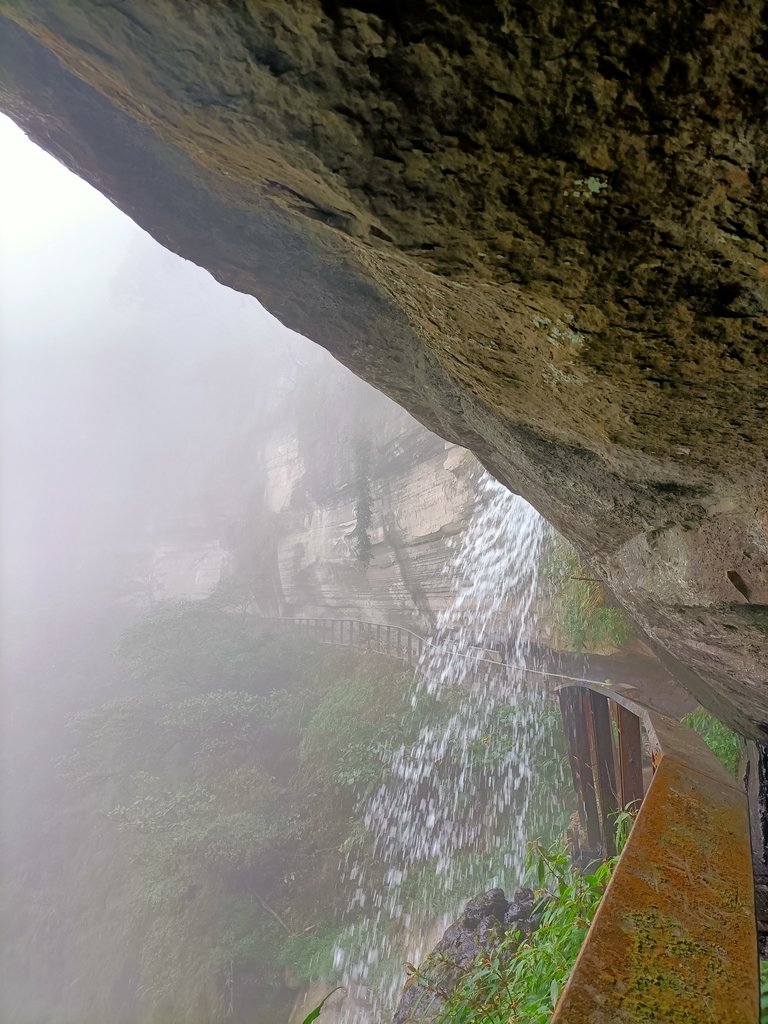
[(540, 231)]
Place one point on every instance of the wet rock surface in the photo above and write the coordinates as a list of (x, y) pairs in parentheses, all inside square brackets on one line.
[(542, 230), (487, 920)]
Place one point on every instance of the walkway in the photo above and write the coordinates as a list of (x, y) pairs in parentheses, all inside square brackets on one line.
[(635, 676)]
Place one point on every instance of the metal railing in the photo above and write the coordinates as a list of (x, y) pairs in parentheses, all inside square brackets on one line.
[(408, 646), (606, 760), (378, 637), (375, 637), (674, 939)]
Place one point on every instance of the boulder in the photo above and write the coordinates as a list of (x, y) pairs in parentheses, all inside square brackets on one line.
[(484, 925)]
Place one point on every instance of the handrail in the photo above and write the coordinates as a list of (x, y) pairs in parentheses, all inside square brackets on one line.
[(674, 939), (544, 673), (381, 625)]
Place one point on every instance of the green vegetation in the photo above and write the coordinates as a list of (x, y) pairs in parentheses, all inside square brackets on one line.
[(234, 774), (585, 616), (521, 979), (314, 1014), (722, 741), (201, 816), (764, 992)]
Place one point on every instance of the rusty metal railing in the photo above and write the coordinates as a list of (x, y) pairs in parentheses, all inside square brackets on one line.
[(379, 638), (674, 939), (606, 760)]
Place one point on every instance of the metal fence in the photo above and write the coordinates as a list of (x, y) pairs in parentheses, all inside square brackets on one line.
[(674, 939)]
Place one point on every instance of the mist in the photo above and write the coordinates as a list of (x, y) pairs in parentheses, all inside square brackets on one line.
[(194, 790), (133, 385)]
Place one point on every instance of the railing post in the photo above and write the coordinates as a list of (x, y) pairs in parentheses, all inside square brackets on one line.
[(604, 770), (630, 757), (574, 721)]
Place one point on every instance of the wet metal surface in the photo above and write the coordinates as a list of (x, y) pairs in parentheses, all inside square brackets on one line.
[(674, 940)]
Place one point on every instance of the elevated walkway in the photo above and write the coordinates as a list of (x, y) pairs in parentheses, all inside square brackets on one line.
[(674, 940)]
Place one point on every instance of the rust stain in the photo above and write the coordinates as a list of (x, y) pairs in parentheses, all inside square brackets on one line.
[(674, 939)]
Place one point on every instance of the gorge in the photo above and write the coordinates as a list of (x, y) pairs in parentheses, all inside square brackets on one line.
[(542, 233)]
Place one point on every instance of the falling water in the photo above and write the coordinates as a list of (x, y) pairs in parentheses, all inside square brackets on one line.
[(458, 804)]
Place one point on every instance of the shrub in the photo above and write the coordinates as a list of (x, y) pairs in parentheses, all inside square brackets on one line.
[(521, 980), (722, 741), (585, 617), (310, 956)]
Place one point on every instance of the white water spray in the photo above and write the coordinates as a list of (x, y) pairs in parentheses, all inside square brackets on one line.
[(458, 803)]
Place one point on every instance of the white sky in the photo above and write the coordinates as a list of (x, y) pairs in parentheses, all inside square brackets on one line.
[(39, 199), (115, 357), (58, 236)]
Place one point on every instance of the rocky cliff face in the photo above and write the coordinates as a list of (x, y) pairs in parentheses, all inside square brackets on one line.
[(541, 229), (334, 443), (417, 509)]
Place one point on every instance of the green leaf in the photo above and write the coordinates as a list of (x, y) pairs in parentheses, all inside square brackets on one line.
[(554, 992), (316, 1012)]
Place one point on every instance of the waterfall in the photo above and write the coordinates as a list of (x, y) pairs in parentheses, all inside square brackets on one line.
[(457, 803)]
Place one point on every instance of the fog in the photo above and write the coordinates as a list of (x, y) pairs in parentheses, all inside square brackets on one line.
[(127, 375), (132, 385), (195, 799), (126, 371)]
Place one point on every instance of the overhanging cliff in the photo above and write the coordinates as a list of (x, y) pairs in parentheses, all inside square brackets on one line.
[(542, 230)]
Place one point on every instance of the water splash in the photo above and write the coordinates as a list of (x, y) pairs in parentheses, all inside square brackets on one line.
[(458, 804)]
